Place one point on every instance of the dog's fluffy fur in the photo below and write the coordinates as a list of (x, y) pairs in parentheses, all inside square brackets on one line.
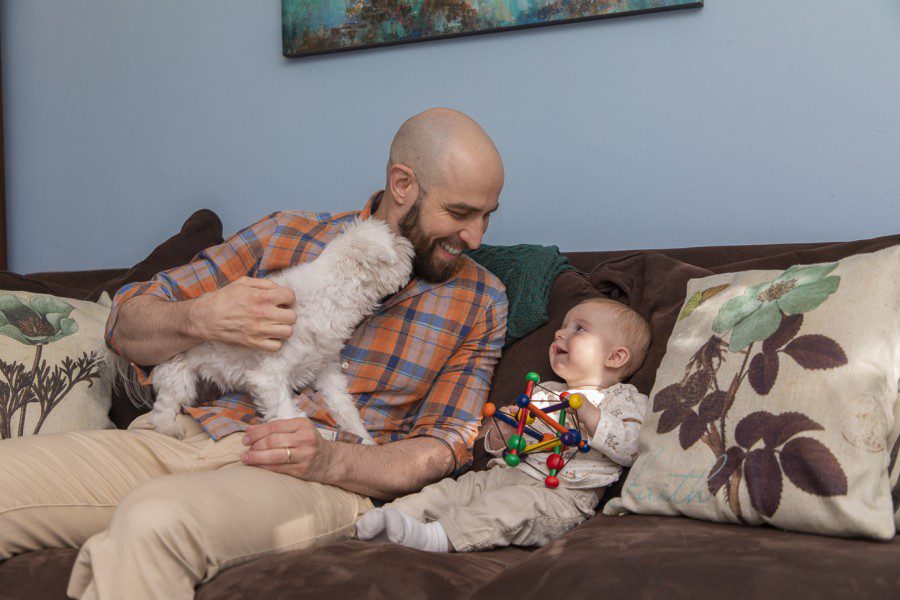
[(344, 284)]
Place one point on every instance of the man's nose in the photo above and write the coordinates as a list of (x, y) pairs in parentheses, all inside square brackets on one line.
[(471, 236)]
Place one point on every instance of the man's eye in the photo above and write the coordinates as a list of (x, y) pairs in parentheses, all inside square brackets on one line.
[(457, 215)]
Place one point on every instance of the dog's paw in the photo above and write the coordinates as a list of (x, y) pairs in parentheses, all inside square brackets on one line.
[(166, 424)]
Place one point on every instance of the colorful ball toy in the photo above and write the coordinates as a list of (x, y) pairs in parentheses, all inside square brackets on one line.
[(563, 438)]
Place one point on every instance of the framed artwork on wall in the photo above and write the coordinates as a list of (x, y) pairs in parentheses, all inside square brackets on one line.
[(319, 26)]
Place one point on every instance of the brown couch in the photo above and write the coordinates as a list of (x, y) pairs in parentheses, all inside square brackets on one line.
[(611, 557)]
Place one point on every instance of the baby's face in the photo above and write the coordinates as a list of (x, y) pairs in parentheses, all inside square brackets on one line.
[(582, 346)]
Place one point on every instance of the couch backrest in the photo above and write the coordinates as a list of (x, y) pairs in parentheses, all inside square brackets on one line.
[(653, 282)]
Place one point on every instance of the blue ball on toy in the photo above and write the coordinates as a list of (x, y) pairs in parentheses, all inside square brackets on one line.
[(576, 437), (522, 401)]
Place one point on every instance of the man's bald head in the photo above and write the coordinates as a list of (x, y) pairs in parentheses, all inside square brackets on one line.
[(444, 180), (441, 144)]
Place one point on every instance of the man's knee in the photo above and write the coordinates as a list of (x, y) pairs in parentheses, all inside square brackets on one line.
[(152, 520)]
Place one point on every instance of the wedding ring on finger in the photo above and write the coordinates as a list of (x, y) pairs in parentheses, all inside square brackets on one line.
[(288, 450)]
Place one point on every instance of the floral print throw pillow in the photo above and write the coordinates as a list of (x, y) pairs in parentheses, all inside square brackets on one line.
[(52, 374), (894, 460), (775, 401)]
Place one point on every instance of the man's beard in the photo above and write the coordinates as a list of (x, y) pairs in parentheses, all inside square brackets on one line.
[(425, 266)]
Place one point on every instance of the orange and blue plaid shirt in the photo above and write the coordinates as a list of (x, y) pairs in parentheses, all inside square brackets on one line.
[(421, 365)]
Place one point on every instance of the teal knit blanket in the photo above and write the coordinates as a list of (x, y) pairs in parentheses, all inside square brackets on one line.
[(527, 271)]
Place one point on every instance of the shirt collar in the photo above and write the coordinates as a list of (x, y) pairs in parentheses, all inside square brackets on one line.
[(371, 206)]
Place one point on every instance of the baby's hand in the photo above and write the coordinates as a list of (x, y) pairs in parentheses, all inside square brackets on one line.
[(588, 417), (498, 432)]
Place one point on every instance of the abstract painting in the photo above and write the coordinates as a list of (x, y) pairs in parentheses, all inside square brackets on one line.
[(319, 26)]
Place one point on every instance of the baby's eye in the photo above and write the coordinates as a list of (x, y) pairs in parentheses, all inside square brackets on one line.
[(579, 328)]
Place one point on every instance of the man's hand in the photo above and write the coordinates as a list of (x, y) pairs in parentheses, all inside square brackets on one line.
[(250, 312), (384, 471), (289, 446)]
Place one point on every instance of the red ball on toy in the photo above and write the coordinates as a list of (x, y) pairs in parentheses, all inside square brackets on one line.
[(555, 461), (488, 409), (551, 481)]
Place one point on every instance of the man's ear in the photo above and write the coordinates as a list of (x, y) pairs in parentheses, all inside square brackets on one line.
[(403, 185), (618, 358)]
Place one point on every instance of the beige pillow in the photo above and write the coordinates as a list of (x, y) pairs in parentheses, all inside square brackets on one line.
[(775, 401), (51, 370)]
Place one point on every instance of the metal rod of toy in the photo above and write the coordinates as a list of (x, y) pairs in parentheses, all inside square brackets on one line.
[(546, 419), (520, 426), (514, 423), (558, 449), (523, 414), (541, 446), (556, 407)]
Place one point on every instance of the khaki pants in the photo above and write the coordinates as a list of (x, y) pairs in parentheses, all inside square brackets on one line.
[(499, 507), (155, 516)]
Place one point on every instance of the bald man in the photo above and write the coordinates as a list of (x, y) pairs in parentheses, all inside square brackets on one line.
[(155, 516)]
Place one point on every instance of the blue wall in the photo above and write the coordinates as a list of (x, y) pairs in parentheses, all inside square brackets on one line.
[(746, 121)]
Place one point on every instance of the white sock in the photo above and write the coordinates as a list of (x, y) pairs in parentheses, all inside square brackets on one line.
[(370, 526), (404, 530), (392, 525)]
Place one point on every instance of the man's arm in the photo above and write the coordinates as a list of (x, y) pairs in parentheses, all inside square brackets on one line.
[(210, 298), (440, 439), (385, 471), (249, 312)]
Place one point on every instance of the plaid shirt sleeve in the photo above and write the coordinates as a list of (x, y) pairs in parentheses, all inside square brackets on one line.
[(213, 268), (451, 412)]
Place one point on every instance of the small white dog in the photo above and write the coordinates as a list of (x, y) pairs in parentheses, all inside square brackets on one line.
[(344, 284)]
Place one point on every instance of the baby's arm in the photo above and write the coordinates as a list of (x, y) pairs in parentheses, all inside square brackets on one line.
[(614, 429)]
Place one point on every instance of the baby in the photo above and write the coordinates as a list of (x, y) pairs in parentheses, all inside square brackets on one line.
[(601, 343)]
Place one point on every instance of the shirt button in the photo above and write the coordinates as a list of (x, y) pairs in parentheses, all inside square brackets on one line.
[(345, 365)]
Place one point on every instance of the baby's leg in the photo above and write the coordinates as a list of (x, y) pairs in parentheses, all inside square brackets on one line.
[(175, 383), (519, 511), (333, 385), (413, 520), (435, 499)]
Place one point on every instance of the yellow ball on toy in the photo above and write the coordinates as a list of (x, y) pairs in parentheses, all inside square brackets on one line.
[(576, 401), (528, 420)]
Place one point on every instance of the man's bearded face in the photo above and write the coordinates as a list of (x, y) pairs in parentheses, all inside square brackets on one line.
[(431, 262)]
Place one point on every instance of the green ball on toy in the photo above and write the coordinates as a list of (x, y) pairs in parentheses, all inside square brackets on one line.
[(516, 442), (532, 376), (512, 460)]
